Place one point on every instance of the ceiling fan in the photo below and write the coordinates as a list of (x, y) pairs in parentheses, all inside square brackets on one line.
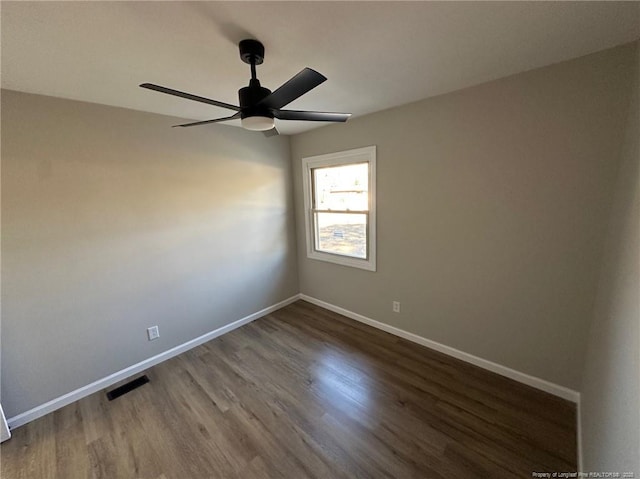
[(258, 105)]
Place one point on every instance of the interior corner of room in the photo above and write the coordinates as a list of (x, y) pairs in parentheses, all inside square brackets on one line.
[(507, 226)]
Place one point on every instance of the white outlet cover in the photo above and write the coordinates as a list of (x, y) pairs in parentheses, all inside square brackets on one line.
[(153, 333)]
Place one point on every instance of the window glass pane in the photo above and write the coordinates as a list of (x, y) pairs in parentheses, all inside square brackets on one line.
[(342, 233), (343, 187)]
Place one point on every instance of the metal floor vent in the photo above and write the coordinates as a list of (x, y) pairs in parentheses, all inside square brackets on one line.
[(125, 388)]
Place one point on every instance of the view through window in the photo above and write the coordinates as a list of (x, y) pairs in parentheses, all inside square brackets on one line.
[(341, 209)]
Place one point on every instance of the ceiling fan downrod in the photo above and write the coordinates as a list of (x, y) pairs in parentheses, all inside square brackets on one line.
[(252, 53)]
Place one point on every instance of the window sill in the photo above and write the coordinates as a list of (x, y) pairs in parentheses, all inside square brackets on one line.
[(366, 264)]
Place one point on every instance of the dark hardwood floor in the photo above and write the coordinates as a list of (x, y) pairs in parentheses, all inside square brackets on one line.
[(303, 393)]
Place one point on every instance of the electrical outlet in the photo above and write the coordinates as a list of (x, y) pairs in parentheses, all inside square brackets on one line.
[(396, 306), (153, 333)]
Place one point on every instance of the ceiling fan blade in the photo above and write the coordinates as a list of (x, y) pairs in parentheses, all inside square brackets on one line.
[(300, 84), (205, 122), (272, 132), (311, 115), (188, 96)]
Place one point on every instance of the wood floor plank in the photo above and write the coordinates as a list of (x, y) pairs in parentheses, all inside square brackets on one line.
[(69, 423), (303, 393)]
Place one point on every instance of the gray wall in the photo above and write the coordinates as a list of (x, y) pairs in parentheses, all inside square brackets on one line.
[(611, 382), (113, 222), (492, 208)]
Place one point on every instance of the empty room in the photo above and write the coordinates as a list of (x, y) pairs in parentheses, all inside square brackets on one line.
[(320, 240)]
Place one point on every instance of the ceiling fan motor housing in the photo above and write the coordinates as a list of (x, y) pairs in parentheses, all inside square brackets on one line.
[(250, 96)]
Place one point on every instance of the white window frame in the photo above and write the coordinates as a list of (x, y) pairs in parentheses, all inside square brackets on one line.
[(358, 155)]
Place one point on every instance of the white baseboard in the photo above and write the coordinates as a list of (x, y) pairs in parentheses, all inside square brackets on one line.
[(5, 433), (579, 434), (105, 382), (549, 387)]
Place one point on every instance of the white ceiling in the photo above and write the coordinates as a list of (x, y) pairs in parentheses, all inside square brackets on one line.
[(376, 55)]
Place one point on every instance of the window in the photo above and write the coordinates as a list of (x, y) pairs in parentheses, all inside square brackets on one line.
[(339, 201)]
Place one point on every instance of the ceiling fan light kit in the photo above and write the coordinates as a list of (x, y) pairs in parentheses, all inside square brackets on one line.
[(257, 123), (260, 106)]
